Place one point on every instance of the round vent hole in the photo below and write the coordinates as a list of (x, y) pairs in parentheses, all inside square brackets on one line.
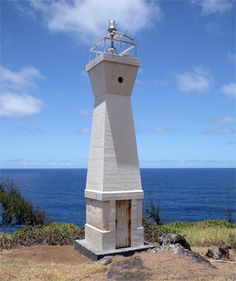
[(120, 79)]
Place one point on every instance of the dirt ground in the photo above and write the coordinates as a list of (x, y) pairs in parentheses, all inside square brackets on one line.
[(62, 263)]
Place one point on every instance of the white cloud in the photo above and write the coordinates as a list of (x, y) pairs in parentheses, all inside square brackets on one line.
[(84, 111), (84, 130), (163, 130), (232, 57), (198, 80), (224, 120), (15, 88), (214, 6), (224, 131), (214, 27), (229, 90), (31, 131), (15, 80), (23, 162), (88, 19), (19, 105)]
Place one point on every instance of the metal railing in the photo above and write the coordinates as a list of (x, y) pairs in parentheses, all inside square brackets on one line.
[(119, 48)]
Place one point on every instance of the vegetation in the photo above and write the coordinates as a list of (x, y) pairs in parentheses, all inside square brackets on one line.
[(152, 212), (229, 213), (202, 233), (49, 234), (17, 210)]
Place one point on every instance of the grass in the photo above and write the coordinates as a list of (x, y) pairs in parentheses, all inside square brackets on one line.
[(203, 233), (22, 270), (210, 236)]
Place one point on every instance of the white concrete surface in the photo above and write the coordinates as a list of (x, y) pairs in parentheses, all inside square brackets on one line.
[(113, 167)]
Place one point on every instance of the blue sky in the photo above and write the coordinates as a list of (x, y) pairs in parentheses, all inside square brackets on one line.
[(184, 96)]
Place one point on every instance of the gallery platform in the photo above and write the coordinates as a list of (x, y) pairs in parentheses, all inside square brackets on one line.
[(84, 249)]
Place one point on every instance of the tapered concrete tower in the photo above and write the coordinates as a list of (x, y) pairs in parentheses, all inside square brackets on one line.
[(113, 191)]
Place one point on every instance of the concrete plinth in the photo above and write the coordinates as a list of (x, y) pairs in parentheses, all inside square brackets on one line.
[(85, 249)]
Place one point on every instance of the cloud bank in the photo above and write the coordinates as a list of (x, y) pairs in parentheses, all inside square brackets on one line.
[(219, 132), (15, 92), (232, 57), (229, 90), (224, 120), (13, 80), (84, 130), (163, 130), (87, 20), (197, 81), (84, 111), (214, 6)]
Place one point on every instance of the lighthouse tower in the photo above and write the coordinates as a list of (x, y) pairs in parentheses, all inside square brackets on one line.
[(113, 190)]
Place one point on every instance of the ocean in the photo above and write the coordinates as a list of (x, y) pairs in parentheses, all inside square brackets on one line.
[(182, 194)]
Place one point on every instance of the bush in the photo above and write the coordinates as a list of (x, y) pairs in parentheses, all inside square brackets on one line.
[(49, 234), (151, 231), (6, 241), (17, 210), (152, 212)]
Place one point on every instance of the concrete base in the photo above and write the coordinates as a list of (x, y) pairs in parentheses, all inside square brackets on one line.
[(83, 247)]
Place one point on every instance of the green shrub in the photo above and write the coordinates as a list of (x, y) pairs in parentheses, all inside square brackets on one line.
[(16, 209), (49, 234), (151, 231), (6, 241)]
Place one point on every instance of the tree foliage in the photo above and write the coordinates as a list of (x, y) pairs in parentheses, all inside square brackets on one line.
[(153, 212), (17, 210)]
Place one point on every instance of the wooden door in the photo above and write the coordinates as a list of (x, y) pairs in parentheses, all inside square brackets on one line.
[(123, 223)]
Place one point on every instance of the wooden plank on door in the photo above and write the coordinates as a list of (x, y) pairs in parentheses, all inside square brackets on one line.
[(123, 223)]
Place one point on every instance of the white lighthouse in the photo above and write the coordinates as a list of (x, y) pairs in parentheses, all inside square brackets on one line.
[(113, 190)]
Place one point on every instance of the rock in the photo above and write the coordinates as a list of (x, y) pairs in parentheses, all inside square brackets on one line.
[(152, 250), (129, 269), (180, 250), (105, 260), (212, 254), (172, 238), (177, 244), (224, 252)]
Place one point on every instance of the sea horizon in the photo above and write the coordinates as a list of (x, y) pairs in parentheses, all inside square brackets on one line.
[(183, 194), (141, 168)]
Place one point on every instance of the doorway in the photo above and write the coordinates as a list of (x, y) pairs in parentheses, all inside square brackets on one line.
[(123, 223)]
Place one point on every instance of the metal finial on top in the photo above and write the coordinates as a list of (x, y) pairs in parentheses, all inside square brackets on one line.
[(113, 30), (112, 26), (124, 48)]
